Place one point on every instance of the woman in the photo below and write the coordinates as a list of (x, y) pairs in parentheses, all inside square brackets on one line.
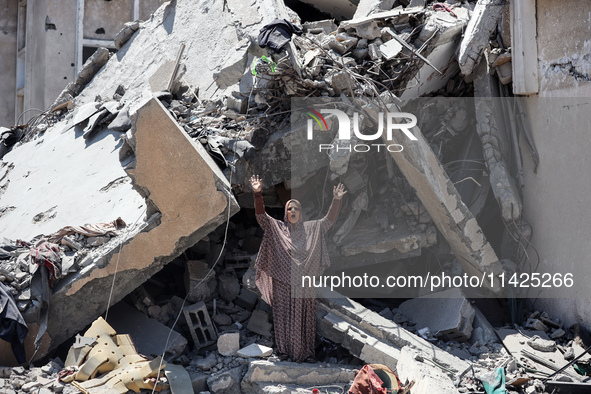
[(290, 249)]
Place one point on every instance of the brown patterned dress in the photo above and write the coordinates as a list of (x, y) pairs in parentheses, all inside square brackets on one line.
[(287, 252)]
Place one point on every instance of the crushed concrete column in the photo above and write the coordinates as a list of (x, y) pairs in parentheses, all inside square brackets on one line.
[(482, 23), (489, 126), (424, 173)]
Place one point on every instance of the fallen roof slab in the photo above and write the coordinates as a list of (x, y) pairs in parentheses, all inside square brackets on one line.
[(188, 190), (187, 196)]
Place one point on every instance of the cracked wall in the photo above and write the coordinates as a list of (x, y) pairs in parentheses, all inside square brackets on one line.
[(555, 198), (564, 48)]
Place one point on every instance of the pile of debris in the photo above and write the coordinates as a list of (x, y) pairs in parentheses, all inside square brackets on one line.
[(66, 251), (416, 209)]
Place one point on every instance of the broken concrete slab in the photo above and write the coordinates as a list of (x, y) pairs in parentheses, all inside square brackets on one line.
[(255, 350), (371, 337), (156, 42), (246, 299), (448, 314), (173, 222), (122, 122), (226, 382), (178, 378), (368, 7), (261, 373), (482, 23), (148, 335), (28, 178)]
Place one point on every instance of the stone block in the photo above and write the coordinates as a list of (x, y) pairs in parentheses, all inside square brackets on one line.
[(535, 324), (261, 371), (255, 350), (229, 344), (206, 363), (447, 314), (237, 104), (246, 299), (390, 49), (259, 323), (228, 287), (200, 326), (226, 382)]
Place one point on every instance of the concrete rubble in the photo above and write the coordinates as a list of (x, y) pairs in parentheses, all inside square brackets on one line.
[(135, 185)]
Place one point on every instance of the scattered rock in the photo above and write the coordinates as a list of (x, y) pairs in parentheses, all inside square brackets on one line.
[(228, 344), (255, 350)]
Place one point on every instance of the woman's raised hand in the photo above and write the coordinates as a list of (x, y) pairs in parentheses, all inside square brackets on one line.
[(256, 183), (338, 191)]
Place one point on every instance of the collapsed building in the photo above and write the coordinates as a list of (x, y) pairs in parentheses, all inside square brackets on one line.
[(138, 174)]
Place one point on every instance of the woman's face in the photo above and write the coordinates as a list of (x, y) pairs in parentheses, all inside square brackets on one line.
[(293, 213)]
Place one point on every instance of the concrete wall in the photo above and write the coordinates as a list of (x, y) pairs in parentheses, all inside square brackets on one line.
[(51, 46), (147, 7), (564, 48), (8, 24), (35, 59), (106, 15), (60, 49), (556, 198)]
